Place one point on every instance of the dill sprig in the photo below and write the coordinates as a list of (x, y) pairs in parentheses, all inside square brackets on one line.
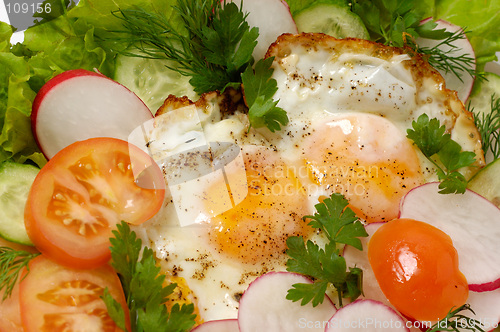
[(12, 263), (456, 321), (488, 125), (213, 44), (447, 57)]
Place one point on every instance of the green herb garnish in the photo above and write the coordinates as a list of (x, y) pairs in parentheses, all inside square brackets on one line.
[(214, 45), (259, 90), (488, 125), (431, 139), (456, 321), (397, 23), (143, 287), (327, 266), (12, 263)]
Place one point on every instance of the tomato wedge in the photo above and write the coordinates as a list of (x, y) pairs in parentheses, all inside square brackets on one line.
[(56, 298), (81, 194)]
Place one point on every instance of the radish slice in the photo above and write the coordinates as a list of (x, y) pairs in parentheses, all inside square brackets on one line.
[(486, 306), (223, 325), (371, 289), (359, 258), (366, 315), (80, 104), (264, 307), (472, 222), (464, 86), (272, 17)]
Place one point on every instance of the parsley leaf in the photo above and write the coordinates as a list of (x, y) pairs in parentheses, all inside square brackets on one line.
[(213, 45), (326, 265), (259, 87), (143, 287), (431, 139)]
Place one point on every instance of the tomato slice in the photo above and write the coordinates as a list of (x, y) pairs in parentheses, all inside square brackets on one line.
[(81, 194), (10, 311), (56, 298)]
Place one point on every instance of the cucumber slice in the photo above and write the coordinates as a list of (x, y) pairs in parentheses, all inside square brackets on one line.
[(486, 182), (151, 81), (15, 183), (480, 99), (334, 20)]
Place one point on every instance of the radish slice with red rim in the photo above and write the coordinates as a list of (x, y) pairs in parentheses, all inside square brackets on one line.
[(264, 307), (80, 104), (462, 85), (366, 315), (472, 222)]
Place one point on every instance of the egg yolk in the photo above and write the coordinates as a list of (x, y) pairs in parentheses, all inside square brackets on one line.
[(256, 229), (365, 158), (416, 267)]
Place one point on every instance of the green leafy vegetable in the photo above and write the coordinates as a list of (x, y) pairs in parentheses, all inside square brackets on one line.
[(431, 139), (259, 90), (143, 287), (12, 263), (398, 23), (327, 266), (488, 125), (456, 321), (213, 46)]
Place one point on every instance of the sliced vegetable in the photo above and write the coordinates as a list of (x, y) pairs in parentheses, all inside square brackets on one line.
[(82, 193), (55, 298), (486, 182), (473, 224), (366, 315), (449, 62), (80, 104), (272, 17), (334, 20), (10, 312), (15, 183), (264, 307), (151, 80)]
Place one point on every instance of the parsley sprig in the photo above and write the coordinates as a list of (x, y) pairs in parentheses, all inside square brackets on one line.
[(488, 125), (430, 137), (12, 263), (259, 89), (398, 23), (456, 321), (214, 44), (144, 289), (327, 266)]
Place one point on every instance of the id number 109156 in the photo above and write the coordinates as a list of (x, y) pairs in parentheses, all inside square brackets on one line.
[(25, 8)]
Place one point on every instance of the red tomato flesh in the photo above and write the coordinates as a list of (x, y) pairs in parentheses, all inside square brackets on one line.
[(56, 298), (81, 194)]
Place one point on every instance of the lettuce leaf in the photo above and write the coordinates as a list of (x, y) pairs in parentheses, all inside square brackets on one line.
[(16, 96), (481, 18)]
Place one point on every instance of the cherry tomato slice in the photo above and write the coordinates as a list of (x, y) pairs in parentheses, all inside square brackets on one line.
[(56, 298), (81, 194)]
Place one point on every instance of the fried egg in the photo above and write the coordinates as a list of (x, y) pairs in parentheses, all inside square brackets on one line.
[(233, 204)]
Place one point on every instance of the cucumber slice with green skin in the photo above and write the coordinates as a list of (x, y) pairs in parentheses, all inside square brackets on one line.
[(15, 183), (486, 182), (151, 80), (331, 19)]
